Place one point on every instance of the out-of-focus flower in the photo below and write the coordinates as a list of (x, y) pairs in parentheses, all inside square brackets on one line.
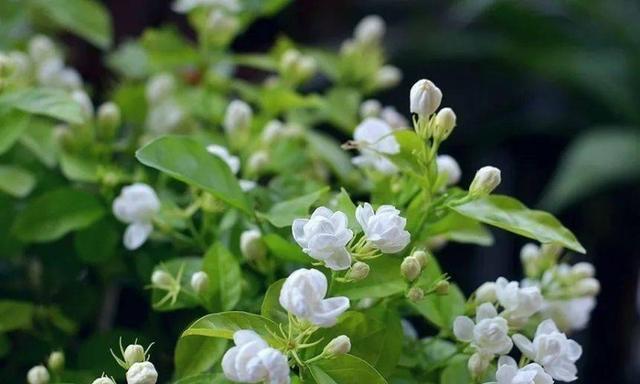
[(570, 315), (449, 166), (251, 245), (370, 108), (199, 282), (186, 6), (375, 139), (238, 117), (136, 205), (370, 29), (38, 375), (384, 228), (393, 118), (223, 153), (388, 76), (159, 88)]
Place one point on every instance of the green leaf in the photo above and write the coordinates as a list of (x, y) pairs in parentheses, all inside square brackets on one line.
[(456, 371), (271, 308), (376, 337), (509, 214), (185, 267), (283, 213), (460, 229), (50, 102), (225, 277), (410, 149), (285, 250), (38, 138), (187, 160), (15, 315), (197, 354), (384, 280), (101, 232), (167, 49), (16, 181), (341, 108), (86, 18), (330, 152), (79, 168), (54, 214), (344, 369), (12, 124), (442, 310), (595, 160), (130, 60), (346, 205), (224, 325)]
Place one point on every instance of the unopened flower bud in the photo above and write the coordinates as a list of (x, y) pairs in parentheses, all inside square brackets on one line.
[(370, 29), (424, 98), (56, 361), (252, 246), (421, 256), (103, 380), (388, 76), (161, 279), (338, 346), (445, 122), (410, 268), (134, 353), (237, 117), (529, 253), (38, 375), (221, 26), (358, 271), (486, 180), (142, 373), (442, 287), (200, 282), (296, 65), (587, 287), (109, 118), (477, 364), (486, 293), (258, 160), (370, 108), (583, 270), (159, 88), (551, 250), (415, 294), (41, 48), (81, 97)]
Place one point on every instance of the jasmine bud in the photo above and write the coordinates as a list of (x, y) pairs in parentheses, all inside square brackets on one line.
[(410, 268), (421, 256), (134, 353), (415, 294), (161, 279), (485, 181), (200, 282), (442, 287), (424, 98), (358, 271), (445, 122), (38, 375), (56, 361), (338, 346)]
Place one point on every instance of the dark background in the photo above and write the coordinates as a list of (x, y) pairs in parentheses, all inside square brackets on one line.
[(525, 78)]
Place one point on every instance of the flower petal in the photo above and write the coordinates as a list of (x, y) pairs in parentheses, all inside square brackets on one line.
[(136, 234), (463, 328)]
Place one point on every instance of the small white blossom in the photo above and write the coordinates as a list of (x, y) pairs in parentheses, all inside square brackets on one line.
[(38, 375), (223, 153), (251, 360), (552, 349), (159, 88), (393, 118), (519, 303), (142, 373), (388, 76), (136, 205), (449, 166), (375, 138), (485, 181), (509, 373), (237, 117), (324, 237), (424, 98), (570, 315), (42, 48), (84, 102), (370, 108), (272, 131), (164, 117), (489, 334), (303, 294), (370, 29), (384, 228), (486, 292), (247, 185)]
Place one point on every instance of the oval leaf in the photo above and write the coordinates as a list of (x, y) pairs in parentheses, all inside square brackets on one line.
[(345, 369), (224, 325), (225, 277)]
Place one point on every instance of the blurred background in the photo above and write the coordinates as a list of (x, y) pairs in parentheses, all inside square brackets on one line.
[(548, 91)]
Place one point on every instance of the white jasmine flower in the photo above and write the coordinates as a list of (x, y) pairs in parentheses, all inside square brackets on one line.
[(370, 108), (223, 153), (583, 270), (159, 88), (393, 118), (251, 360), (376, 139), (136, 205), (38, 375), (424, 98), (388, 76), (237, 117), (324, 237), (370, 29), (509, 373), (489, 334), (485, 181), (69, 78), (383, 228), (251, 245), (142, 373), (486, 292), (449, 166), (519, 303), (258, 160), (552, 349), (303, 294), (570, 315)]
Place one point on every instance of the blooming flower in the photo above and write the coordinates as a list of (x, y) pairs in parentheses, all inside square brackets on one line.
[(384, 228), (449, 166), (509, 373), (551, 349), (370, 29), (520, 303), (223, 153), (253, 361), (424, 98), (376, 139), (303, 294), (142, 373), (324, 237), (489, 334), (136, 205), (570, 315)]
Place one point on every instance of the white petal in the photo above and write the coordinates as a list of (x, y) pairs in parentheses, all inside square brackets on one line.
[(136, 234), (245, 336), (363, 214), (574, 350), (297, 228), (339, 260), (507, 360), (562, 370), (229, 364), (463, 328), (524, 345), (485, 311), (328, 311), (546, 327), (505, 374)]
